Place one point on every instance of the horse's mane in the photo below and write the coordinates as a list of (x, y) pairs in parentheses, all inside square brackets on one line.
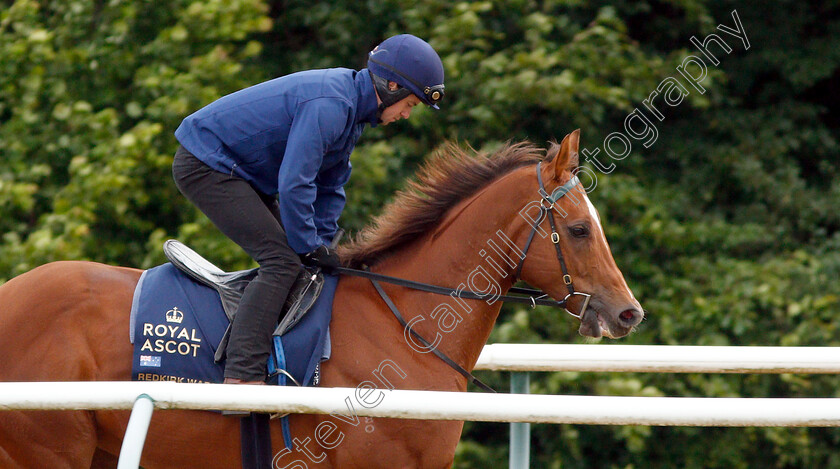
[(450, 176)]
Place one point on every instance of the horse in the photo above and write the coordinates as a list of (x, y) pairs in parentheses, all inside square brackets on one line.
[(464, 220)]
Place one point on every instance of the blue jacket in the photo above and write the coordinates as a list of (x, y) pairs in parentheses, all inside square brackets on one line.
[(292, 135)]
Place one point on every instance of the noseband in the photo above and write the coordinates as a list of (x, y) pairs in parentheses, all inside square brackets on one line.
[(546, 205)]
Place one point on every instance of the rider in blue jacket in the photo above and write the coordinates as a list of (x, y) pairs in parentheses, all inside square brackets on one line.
[(268, 164)]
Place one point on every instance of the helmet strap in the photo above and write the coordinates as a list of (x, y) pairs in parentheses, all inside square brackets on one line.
[(387, 96)]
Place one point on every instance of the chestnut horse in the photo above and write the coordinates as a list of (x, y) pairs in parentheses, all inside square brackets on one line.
[(69, 321)]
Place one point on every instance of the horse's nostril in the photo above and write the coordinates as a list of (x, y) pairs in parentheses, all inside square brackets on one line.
[(629, 316)]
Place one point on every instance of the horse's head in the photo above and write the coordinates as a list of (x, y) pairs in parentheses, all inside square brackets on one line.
[(576, 262)]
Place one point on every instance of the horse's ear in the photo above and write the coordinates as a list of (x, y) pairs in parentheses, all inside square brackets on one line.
[(567, 157)]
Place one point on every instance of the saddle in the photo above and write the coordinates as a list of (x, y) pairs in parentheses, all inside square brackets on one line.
[(231, 285)]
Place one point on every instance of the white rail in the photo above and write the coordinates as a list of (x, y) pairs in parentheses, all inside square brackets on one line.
[(135, 433), (518, 358), (659, 358), (599, 410)]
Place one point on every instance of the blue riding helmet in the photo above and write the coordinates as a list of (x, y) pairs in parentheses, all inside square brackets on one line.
[(411, 63)]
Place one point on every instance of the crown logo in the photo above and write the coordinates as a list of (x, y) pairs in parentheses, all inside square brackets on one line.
[(174, 315)]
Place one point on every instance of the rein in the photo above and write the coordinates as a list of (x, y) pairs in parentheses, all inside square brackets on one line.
[(531, 297)]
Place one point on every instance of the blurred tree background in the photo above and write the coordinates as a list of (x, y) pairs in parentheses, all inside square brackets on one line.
[(726, 227)]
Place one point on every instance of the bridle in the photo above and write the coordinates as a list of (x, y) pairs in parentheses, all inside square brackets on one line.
[(531, 297), (546, 205)]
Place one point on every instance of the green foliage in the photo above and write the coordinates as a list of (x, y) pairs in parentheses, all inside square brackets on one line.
[(90, 93), (726, 227)]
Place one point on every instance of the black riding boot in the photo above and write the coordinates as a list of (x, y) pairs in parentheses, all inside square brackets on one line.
[(250, 337)]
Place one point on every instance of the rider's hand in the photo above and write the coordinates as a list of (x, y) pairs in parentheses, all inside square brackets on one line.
[(322, 257)]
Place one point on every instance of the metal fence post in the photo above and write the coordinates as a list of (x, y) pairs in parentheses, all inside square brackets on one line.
[(520, 432), (135, 433)]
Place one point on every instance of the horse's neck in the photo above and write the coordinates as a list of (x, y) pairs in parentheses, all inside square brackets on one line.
[(471, 252)]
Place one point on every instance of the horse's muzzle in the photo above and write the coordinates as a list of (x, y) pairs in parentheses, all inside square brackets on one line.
[(594, 323)]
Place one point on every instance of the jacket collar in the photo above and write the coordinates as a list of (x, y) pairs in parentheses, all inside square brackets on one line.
[(367, 99)]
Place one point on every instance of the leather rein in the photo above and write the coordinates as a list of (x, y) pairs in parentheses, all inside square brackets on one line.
[(527, 296)]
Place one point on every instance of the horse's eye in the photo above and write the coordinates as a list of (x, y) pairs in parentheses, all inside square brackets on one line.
[(579, 231)]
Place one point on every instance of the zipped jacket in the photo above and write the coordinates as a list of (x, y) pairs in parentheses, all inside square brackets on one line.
[(290, 136)]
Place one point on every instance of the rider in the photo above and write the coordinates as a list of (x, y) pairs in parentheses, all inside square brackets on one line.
[(267, 165)]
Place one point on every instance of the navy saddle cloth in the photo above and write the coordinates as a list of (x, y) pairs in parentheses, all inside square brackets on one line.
[(180, 315)]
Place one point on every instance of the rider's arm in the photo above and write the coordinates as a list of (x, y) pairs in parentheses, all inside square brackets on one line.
[(331, 200), (317, 123)]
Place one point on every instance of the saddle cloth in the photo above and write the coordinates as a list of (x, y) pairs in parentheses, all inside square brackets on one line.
[(180, 318)]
